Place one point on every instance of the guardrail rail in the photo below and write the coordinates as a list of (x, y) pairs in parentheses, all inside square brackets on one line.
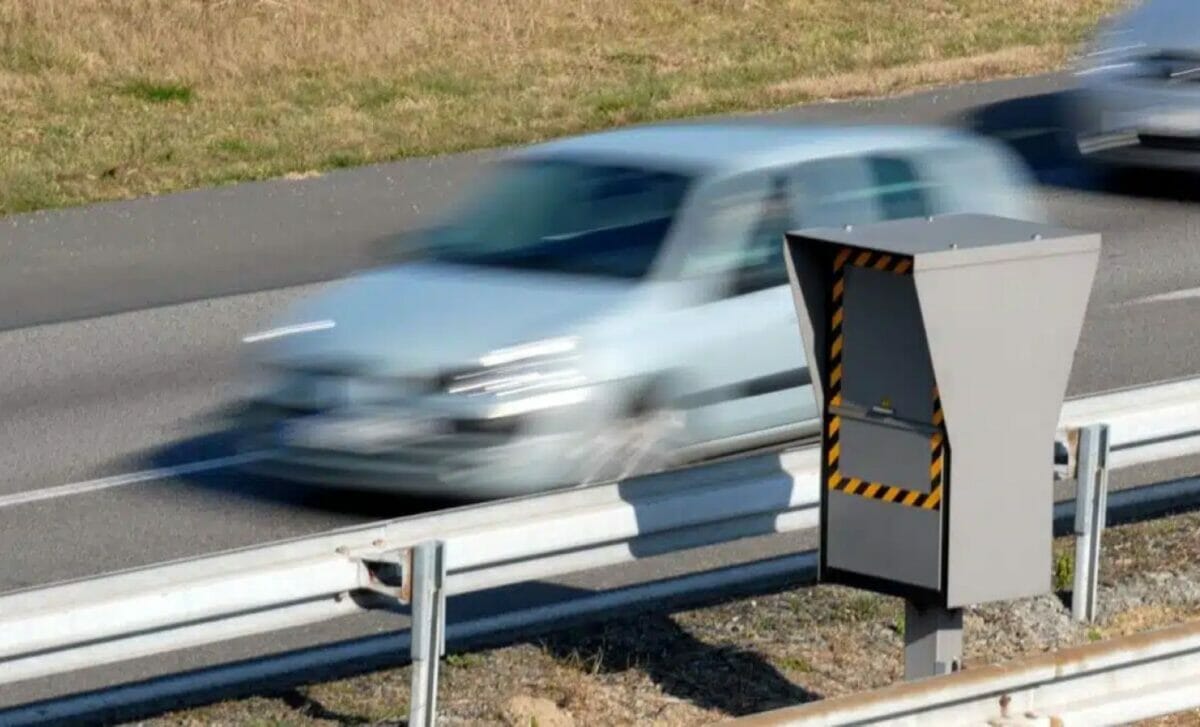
[(1115, 682)]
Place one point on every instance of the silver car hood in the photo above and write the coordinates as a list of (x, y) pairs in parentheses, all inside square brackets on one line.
[(424, 318)]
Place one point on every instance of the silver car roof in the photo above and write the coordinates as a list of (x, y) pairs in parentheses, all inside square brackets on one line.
[(727, 147)]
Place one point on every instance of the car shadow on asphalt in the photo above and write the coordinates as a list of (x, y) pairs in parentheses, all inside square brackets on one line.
[(1037, 129), (233, 482)]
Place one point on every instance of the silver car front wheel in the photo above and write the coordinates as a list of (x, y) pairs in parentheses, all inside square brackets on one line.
[(642, 443)]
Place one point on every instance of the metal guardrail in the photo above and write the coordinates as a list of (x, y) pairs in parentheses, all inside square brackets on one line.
[(1110, 683), (1114, 431), (104, 619), (1146, 424)]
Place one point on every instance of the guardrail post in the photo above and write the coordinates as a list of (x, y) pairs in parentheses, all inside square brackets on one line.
[(428, 631), (1091, 507), (932, 640)]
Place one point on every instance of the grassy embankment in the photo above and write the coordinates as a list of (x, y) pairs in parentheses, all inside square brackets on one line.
[(106, 99)]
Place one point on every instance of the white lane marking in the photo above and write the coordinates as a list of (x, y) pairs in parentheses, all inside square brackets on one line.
[(129, 478), (1106, 67), (289, 331), (1185, 294)]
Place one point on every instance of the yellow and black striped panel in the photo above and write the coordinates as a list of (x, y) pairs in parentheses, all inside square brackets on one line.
[(937, 455), (882, 261), (898, 264), (937, 445), (876, 491)]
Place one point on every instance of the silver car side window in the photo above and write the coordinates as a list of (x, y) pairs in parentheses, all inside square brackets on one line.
[(901, 190), (834, 192), (859, 190), (997, 181), (722, 223), (742, 221), (762, 266)]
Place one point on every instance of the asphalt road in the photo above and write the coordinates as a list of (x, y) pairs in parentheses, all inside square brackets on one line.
[(120, 326)]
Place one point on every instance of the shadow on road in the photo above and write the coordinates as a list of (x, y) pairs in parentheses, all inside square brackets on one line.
[(1037, 128), (236, 483)]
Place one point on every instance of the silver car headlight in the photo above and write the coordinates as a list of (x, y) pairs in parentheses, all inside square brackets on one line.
[(526, 378)]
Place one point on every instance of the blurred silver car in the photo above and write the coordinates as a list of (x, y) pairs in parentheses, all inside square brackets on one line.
[(1138, 101), (598, 307)]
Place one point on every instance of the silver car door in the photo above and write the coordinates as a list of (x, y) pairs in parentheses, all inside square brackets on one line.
[(743, 363)]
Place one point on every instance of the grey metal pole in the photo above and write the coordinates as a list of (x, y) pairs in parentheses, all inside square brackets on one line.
[(932, 640), (428, 631), (1091, 507)]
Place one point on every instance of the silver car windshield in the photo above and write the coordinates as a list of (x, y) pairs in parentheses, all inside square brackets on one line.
[(564, 217)]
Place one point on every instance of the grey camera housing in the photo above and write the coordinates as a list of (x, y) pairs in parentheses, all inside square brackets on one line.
[(941, 349)]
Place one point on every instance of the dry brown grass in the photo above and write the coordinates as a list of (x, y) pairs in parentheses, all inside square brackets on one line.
[(1145, 618), (1190, 718), (112, 98)]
